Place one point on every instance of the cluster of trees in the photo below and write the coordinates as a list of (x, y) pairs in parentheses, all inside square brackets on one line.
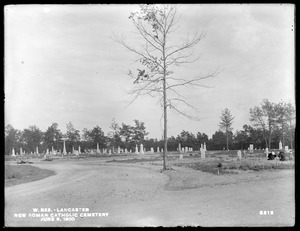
[(271, 123)]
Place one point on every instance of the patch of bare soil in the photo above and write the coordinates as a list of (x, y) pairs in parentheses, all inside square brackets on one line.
[(138, 194)]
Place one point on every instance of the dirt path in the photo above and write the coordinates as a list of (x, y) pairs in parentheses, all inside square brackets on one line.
[(139, 195)]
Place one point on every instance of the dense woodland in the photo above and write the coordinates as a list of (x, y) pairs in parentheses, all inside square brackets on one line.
[(268, 124)]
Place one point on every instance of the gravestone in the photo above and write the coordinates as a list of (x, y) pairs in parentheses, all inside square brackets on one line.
[(162, 150), (136, 149), (47, 151), (251, 148), (280, 145), (204, 146), (202, 153), (37, 150), (286, 148), (142, 149), (21, 152), (119, 149), (239, 154), (109, 152), (98, 150), (179, 147), (182, 150), (180, 156), (186, 149), (152, 150), (76, 153), (126, 150), (79, 150), (64, 148), (158, 149), (52, 149)]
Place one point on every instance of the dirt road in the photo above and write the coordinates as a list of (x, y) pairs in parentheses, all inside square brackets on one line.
[(139, 195)]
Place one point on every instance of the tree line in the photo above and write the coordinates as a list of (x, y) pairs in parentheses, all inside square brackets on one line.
[(270, 124)]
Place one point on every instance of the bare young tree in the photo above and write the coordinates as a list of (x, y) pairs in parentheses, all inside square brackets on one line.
[(158, 56)]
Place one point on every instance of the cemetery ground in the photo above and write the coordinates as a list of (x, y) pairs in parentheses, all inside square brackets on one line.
[(131, 190)]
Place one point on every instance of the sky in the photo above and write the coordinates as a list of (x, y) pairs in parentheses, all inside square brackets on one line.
[(61, 65)]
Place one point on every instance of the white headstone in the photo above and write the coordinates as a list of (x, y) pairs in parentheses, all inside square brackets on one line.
[(21, 152), (158, 149), (251, 148), (142, 149), (162, 150), (186, 149), (119, 150), (286, 148), (239, 154), (52, 149), (280, 145), (109, 152), (179, 147), (267, 152), (202, 153), (73, 151), (152, 150), (136, 149), (182, 150), (79, 150), (204, 146), (64, 150), (98, 150), (126, 151), (37, 150), (47, 151)]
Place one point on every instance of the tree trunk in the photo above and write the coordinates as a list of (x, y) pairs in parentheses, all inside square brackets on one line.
[(266, 141), (165, 111), (227, 140), (291, 135), (283, 136)]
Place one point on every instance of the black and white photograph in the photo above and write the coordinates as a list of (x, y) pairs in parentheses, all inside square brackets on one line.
[(149, 115)]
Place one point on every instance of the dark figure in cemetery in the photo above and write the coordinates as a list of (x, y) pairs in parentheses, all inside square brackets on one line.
[(271, 156), (281, 156)]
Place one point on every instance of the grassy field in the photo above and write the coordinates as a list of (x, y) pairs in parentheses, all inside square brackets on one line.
[(218, 162), (18, 174)]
